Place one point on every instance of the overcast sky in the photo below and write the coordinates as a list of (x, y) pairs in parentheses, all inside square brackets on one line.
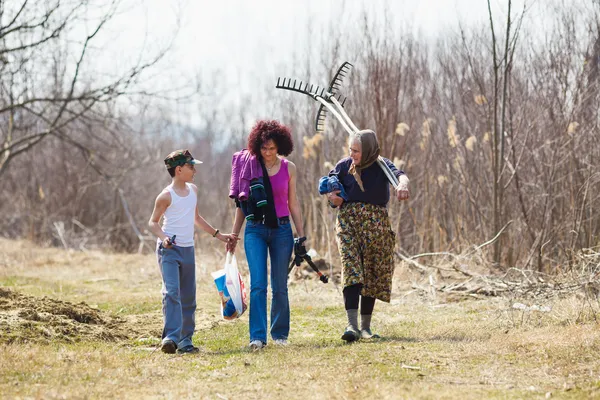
[(242, 33), (246, 41)]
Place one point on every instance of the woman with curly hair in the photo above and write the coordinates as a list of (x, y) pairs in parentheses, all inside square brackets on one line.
[(268, 232)]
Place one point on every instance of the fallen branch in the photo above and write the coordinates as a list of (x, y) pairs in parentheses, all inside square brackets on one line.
[(417, 264), (492, 240)]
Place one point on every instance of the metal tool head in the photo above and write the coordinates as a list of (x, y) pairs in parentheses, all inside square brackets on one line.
[(334, 87), (322, 115), (338, 78), (331, 100), (300, 87)]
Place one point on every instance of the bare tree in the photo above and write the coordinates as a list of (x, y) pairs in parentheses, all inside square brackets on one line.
[(502, 65), (47, 80)]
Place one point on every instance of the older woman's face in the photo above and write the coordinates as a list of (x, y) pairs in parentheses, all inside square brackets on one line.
[(355, 152)]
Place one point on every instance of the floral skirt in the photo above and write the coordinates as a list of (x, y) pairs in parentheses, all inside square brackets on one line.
[(366, 244)]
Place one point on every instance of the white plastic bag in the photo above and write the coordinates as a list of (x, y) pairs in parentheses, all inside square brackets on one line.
[(231, 289)]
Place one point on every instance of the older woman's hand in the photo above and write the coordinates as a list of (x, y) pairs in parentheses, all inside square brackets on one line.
[(402, 191), (334, 198)]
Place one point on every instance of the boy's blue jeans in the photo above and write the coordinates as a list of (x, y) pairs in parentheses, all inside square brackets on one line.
[(178, 270), (259, 240)]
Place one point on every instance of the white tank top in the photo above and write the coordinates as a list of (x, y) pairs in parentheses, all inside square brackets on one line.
[(180, 216)]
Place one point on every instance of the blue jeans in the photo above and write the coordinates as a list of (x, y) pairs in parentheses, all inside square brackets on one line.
[(178, 270), (279, 242)]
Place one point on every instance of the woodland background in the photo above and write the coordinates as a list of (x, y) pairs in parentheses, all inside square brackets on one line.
[(495, 124)]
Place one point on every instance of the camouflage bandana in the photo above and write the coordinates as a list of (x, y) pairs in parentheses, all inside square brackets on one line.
[(179, 158)]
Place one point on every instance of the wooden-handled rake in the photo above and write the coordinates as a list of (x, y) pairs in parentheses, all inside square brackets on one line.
[(332, 101)]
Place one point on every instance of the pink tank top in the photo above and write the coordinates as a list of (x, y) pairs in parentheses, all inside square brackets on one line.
[(280, 184)]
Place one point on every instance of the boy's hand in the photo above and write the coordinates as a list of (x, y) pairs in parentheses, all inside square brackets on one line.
[(227, 237), (168, 242)]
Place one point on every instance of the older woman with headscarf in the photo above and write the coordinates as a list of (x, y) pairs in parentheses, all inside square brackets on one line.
[(364, 235)]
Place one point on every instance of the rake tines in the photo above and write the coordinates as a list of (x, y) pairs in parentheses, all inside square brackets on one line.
[(321, 117), (300, 87), (322, 113), (339, 76), (333, 89), (319, 93)]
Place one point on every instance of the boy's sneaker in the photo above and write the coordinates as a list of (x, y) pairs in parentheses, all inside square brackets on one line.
[(350, 334), (168, 346), (256, 345), (189, 349), (281, 342), (367, 334)]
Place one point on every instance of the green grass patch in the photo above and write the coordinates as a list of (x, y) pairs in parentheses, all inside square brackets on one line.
[(466, 350)]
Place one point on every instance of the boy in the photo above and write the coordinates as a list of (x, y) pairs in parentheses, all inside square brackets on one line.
[(177, 202)]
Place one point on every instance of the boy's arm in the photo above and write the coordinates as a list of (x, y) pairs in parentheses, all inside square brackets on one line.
[(293, 203), (206, 227), (161, 203)]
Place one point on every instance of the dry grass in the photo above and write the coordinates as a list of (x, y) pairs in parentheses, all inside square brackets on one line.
[(479, 348)]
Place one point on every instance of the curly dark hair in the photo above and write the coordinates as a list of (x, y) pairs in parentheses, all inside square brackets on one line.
[(264, 131)]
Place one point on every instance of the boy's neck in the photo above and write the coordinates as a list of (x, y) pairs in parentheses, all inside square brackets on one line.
[(178, 184)]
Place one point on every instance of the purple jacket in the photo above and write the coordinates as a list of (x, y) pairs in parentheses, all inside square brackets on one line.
[(244, 168)]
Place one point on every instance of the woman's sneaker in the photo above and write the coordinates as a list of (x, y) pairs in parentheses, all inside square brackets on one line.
[(367, 334), (351, 334), (281, 342), (256, 345)]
